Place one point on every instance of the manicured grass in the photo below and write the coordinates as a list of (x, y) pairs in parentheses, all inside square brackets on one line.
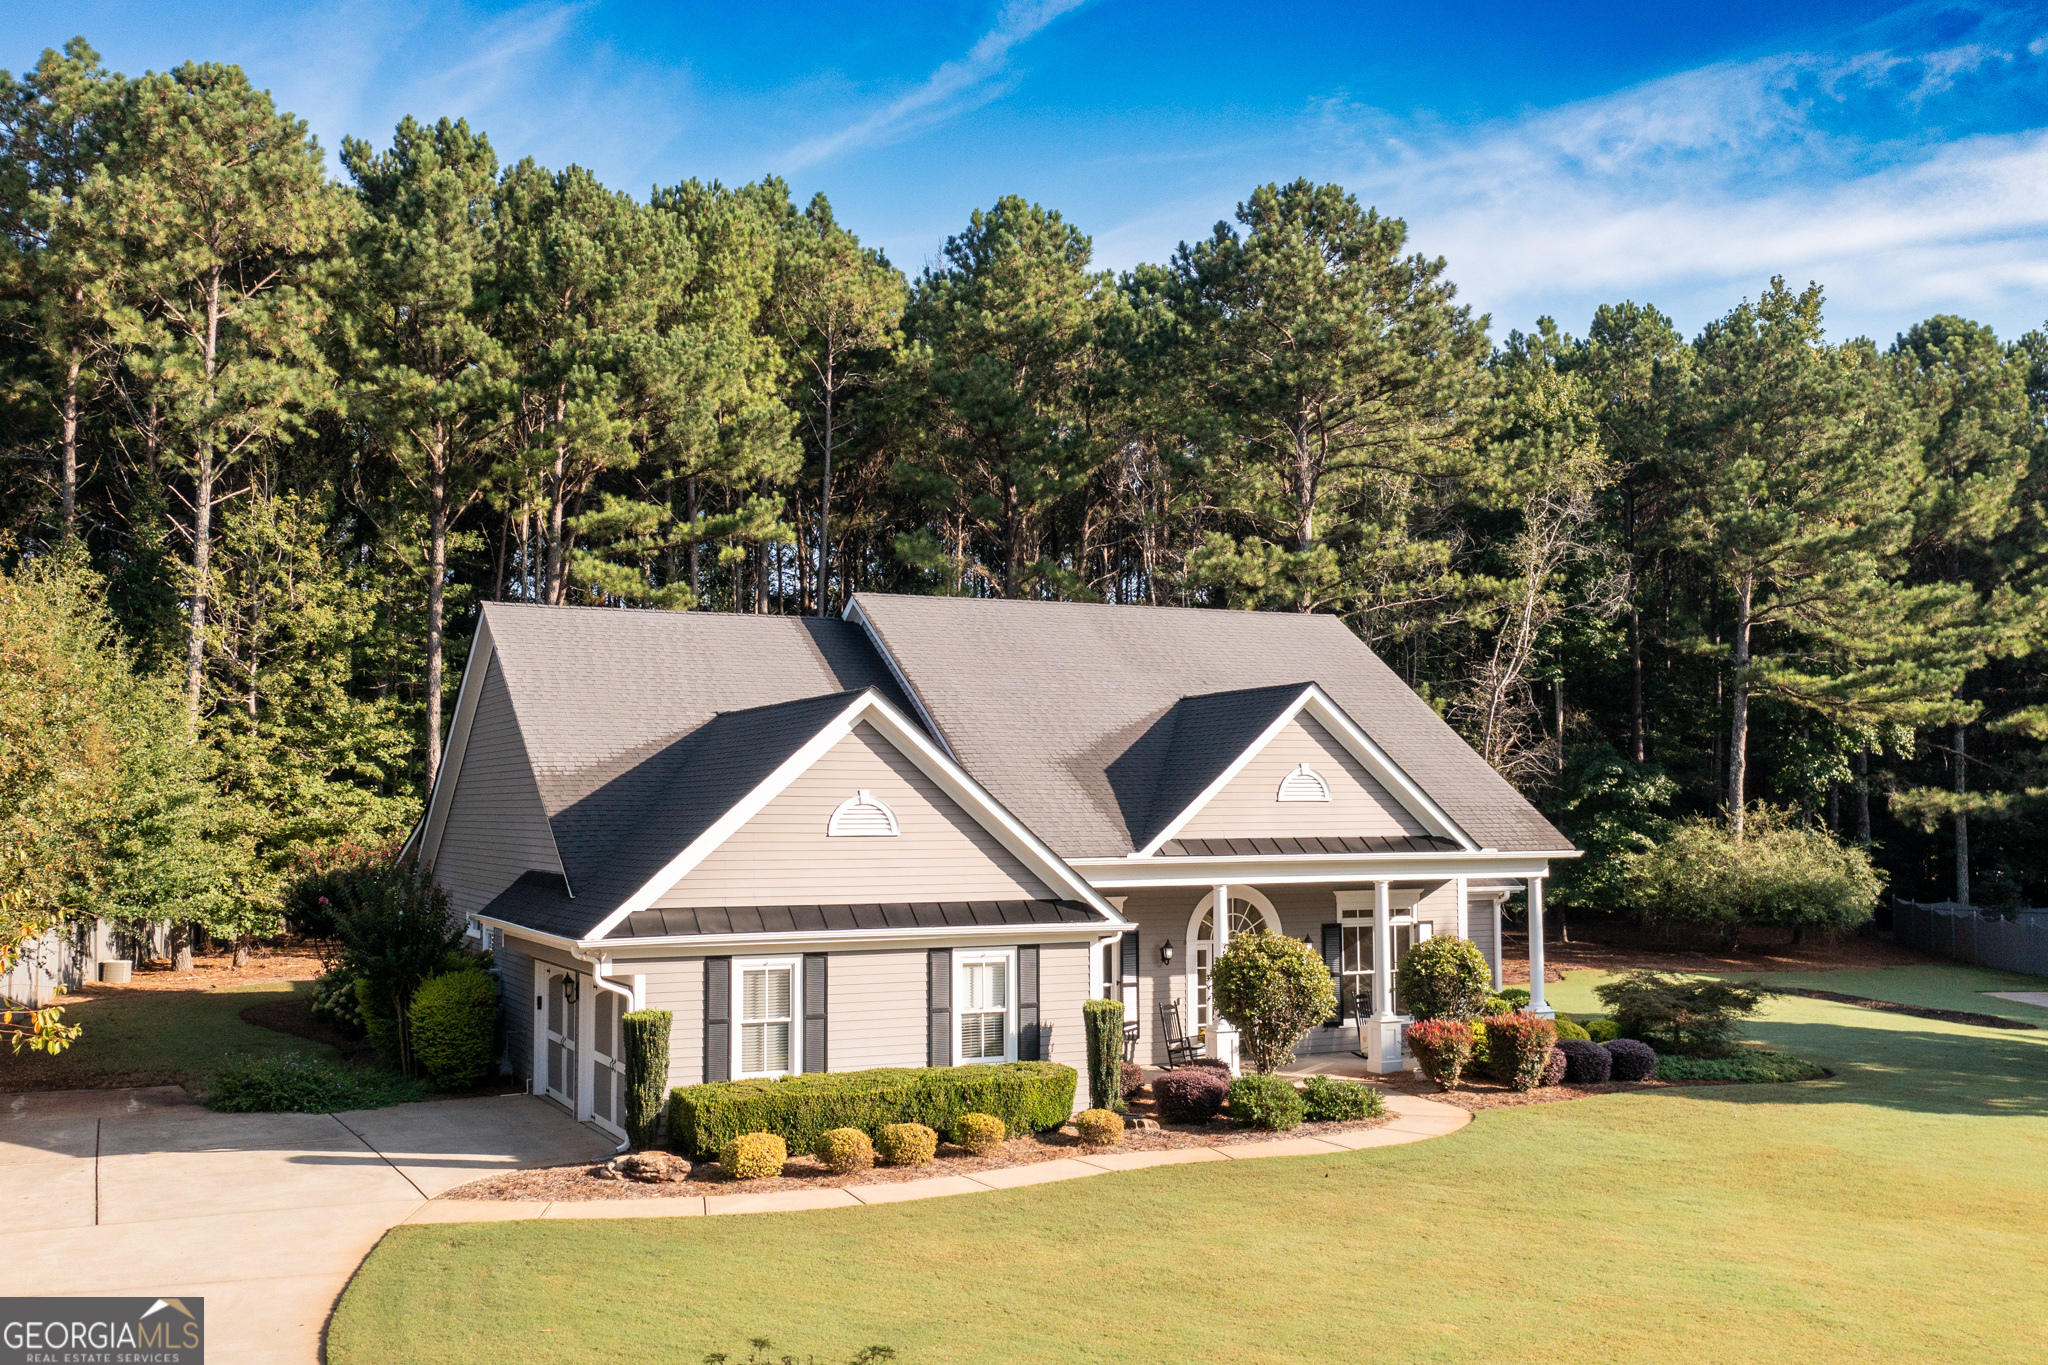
[(157, 1037), (1896, 1212)]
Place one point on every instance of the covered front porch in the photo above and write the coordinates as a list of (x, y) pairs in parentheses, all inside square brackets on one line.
[(1361, 926)]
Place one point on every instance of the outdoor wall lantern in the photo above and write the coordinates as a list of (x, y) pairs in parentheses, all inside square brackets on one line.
[(568, 990), (1166, 951)]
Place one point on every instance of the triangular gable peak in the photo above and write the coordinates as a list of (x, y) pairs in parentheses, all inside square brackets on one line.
[(782, 832), (1311, 772)]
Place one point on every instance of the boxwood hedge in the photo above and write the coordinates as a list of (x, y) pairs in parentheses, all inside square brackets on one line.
[(1026, 1096)]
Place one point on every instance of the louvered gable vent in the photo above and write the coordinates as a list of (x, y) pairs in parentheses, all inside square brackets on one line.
[(862, 814), (1304, 784)]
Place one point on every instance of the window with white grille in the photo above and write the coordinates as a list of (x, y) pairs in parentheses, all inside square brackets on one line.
[(863, 813), (1304, 784), (982, 1006), (766, 1041)]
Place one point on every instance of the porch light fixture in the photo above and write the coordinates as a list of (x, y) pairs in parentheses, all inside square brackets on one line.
[(569, 990), (1166, 951)]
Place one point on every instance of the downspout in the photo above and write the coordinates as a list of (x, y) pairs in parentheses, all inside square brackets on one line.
[(598, 965)]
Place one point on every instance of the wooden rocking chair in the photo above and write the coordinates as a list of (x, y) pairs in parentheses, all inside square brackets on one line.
[(1180, 1049)]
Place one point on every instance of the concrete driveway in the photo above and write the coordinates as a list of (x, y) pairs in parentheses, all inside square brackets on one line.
[(142, 1192)]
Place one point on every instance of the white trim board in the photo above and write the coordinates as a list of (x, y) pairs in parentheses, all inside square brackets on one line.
[(913, 743), (1122, 874), (1361, 747), (618, 951)]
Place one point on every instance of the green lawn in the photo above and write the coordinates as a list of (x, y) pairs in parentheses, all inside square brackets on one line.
[(156, 1037), (1896, 1212)]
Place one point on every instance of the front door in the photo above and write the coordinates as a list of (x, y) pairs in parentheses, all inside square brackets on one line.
[(556, 1071)]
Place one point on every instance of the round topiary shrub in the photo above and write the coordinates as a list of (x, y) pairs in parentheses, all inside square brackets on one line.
[(979, 1133), (845, 1150), (753, 1156), (1273, 989), (1566, 1028), (1444, 978), (1132, 1077), (1190, 1094), (907, 1144), (1215, 1064), (1633, 1061), (1099, 1127), (1325, 1099), (1602, 1030), (1586, 1063), (1268, 1102), (1554, 1069)]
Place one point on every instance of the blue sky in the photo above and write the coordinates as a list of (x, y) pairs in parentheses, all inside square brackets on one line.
[(1558, 156)]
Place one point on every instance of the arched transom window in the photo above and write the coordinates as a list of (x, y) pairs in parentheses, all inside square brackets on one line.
[(863, 813)]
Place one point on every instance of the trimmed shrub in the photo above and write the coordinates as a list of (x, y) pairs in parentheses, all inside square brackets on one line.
[(396, 931), (1443, 1048), (1326, 1099), (644, 1039), (1026, 1096), (1566, 1029), (1099, 1127), (453, 1019), (1102, 1021), (1273, 989), (291, 1084), (1586, 1063), (1695, 1016), (1268, 1102), (1633, 1061), (753, 1156), (1131, 1077), (1750, 1064), (1517, 997), (1444, 978), (1602, 1030), (1496, 1004), (1554, 1069), (1519, 1046), (1190, 1094), (906, 1144), (1482, 1059), (846, 1150), (1215, 1064), (979, 1133)]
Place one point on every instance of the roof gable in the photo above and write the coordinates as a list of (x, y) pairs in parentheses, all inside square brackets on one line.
[(1302, 783)]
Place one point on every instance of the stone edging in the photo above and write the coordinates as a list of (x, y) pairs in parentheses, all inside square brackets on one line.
[(1414, 1120)]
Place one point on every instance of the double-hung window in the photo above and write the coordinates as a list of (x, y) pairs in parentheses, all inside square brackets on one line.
[(983, 998), (766, 1041)]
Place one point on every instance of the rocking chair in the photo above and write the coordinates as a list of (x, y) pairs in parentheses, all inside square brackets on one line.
[(1180, 1049)]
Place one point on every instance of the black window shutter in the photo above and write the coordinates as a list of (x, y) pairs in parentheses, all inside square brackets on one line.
[(1030, 1047), (717, 1019), (1333, 958), (814, 1011), (1129, 948), (939, 1000)]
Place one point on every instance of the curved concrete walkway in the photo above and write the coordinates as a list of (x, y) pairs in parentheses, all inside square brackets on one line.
[(1414, 1120)]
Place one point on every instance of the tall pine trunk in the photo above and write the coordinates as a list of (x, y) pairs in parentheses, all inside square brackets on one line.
[(1962, 820), (1863, 797), (1738, 725), (202, 530), (437, 572), (69, 441), (825, 512)]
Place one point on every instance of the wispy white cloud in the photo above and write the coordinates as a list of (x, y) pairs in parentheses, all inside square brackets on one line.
[(953, 88)]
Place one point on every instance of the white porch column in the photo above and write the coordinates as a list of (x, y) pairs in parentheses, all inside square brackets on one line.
[(1497, 956), (1222, 1040), (1537, 1004), (586, 1043), (1382, 954), (1464, 912)]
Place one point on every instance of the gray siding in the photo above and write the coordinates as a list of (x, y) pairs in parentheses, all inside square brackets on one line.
[(1249, 806), (875, 1013), (676, 985), (1481, 922), (515, 1007), (1064, 982), (496, 828), (784, 857)]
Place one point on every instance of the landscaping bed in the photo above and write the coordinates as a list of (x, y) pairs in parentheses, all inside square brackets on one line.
[(581, 1182), (1476, 1094)]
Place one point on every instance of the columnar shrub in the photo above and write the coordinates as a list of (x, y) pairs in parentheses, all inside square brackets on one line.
[(1586, 1063), (644, 1038), (1325, 1099), (1269, 1102), (1633, 1061), (453, 1019), (1131, 1079), (1099, 1127), (1443, 1048), (1190, 1094), (1444, 978), (1554, 1069), (1519, 1045), (907, 1144), (845, 1150), (1103, 1021), (979, 1133), (1273, 989), (753, 1156)]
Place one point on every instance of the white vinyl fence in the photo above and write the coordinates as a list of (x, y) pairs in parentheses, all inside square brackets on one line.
[(1983, 938)]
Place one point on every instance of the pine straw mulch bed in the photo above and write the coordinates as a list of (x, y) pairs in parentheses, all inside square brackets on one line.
[(1476, 1095), (574, 1183), (267, 966)]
